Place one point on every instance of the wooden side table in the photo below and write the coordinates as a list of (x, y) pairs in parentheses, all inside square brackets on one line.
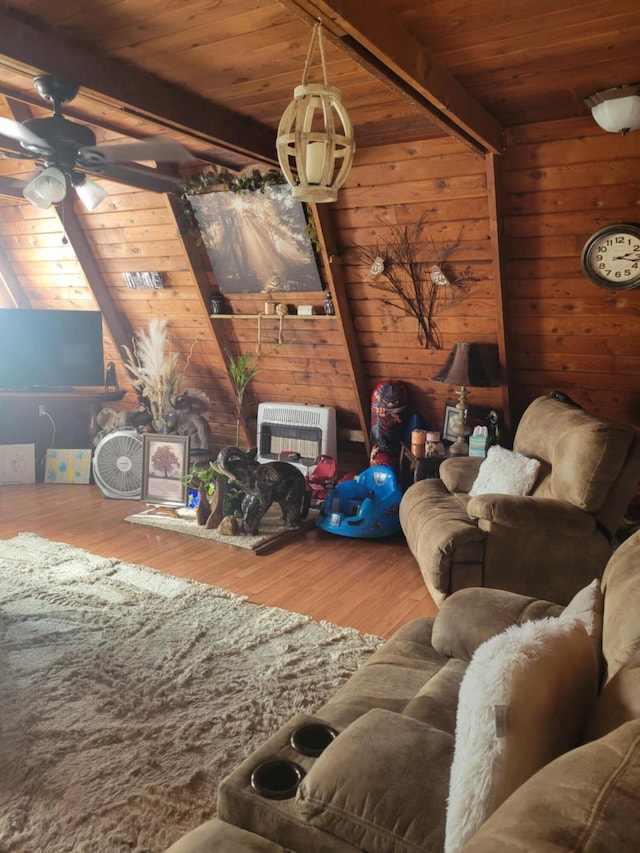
[(413, 469)]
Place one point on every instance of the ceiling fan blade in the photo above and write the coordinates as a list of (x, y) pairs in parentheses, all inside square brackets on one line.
[(137, 176), (160, 150), (11, 187), (17, 131)]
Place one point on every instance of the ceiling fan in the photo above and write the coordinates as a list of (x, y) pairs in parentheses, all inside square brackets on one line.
[(68, 150)]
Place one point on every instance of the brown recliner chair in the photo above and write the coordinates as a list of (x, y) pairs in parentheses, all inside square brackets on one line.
[(548, 544)]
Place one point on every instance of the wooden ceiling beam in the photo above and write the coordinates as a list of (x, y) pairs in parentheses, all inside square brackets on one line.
[(117, 324), (10, 280), (26, 48), (22, 101), (216, 330), (386, 49)]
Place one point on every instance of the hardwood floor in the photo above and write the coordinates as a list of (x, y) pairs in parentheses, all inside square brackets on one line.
[(371, 585)]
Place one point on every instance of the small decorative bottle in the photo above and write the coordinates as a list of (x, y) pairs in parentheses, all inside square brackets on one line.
[(215, 304), (328, 304)]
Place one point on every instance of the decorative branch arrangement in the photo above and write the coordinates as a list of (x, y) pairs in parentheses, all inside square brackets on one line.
[(156, 377), (401, 268)]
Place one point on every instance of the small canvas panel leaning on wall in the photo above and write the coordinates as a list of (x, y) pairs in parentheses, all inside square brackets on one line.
[(17, 464), (257, 241), (68, 466)]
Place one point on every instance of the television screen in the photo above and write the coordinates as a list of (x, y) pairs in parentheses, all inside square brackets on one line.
[(50, 349)]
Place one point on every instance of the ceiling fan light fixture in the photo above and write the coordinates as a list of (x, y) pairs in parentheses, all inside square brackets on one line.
[(315, 143), (616, 110), (48, 187), (89, 192)]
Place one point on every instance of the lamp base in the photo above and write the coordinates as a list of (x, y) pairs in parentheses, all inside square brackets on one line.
[(459, 426), (459, 447)]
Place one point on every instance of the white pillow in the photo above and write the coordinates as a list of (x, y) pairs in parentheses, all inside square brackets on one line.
[(505, 472), (524, 700)]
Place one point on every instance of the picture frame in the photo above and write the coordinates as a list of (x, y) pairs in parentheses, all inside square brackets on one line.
[(165, 462), (450, 414), (257, 242)]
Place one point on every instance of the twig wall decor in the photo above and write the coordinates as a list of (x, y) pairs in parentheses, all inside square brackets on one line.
[(415, 273)]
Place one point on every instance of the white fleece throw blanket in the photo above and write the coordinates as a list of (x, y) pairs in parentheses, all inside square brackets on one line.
[(125, 696)]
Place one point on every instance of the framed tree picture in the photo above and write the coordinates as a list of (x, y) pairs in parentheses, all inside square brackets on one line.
[(165, 461), (257, 241)]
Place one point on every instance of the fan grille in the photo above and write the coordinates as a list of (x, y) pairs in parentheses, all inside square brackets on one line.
[(117, 464)]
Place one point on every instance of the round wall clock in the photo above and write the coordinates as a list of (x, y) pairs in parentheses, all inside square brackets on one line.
[(611, 257)]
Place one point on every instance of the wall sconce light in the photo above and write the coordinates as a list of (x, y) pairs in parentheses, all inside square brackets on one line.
[(616, 110), (48, 187), (315, 141)]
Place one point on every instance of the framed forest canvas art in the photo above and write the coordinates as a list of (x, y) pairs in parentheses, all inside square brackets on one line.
[(257, 241)]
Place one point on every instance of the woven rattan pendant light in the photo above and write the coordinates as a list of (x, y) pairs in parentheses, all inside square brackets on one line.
[(315, 139)]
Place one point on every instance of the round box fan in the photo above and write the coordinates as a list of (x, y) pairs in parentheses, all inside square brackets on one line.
[(117, 464)]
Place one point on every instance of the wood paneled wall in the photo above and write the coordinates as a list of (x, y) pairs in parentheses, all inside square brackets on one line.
[(301, 360), (393, 186), (562, 181)]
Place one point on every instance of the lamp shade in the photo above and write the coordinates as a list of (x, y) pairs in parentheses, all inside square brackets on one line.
[(616, 110), (466, 366), (48, 187), (89, 192)]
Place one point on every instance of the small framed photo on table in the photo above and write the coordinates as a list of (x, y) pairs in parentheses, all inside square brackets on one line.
[(450, 414), (165, 461)]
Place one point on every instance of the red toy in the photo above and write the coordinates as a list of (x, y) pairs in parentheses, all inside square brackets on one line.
[(322, 478)]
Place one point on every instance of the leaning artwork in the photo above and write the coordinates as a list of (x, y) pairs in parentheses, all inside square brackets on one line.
[(257, 241)]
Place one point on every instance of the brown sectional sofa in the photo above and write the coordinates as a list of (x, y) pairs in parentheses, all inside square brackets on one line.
[(382, 784)]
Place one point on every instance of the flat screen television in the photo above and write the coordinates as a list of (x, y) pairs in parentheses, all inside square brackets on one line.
[(50, 350)]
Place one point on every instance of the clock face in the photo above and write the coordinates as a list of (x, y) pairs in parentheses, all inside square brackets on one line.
[(611, 257)]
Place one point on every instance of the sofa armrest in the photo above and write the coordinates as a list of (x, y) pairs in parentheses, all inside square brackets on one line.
[(381, 785), (470, 616), (458, 473), (539, 515)]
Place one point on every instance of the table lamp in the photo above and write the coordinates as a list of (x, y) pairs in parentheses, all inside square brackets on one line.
[(464, 367)]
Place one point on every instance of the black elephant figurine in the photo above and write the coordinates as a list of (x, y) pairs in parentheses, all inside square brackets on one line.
[(263, 485)]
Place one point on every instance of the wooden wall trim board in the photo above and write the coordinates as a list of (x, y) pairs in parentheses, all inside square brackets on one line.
[(330, 252), (495, 220)]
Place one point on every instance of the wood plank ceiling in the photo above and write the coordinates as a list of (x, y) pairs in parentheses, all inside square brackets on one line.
[(216, 76)]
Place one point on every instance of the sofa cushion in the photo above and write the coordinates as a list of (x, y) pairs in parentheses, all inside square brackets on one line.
[(587, 606), (618, 702), (469, 617), (585, 452), (504, 472), (524, 700), (586, 800), (381, 785), (621, 587)]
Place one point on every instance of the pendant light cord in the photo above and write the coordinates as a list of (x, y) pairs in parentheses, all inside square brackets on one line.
[(317, 34)]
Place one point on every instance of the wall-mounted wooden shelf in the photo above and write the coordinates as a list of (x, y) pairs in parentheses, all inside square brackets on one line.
[(272, 316)]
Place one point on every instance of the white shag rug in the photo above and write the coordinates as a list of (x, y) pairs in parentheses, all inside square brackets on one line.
[(126, 695)]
